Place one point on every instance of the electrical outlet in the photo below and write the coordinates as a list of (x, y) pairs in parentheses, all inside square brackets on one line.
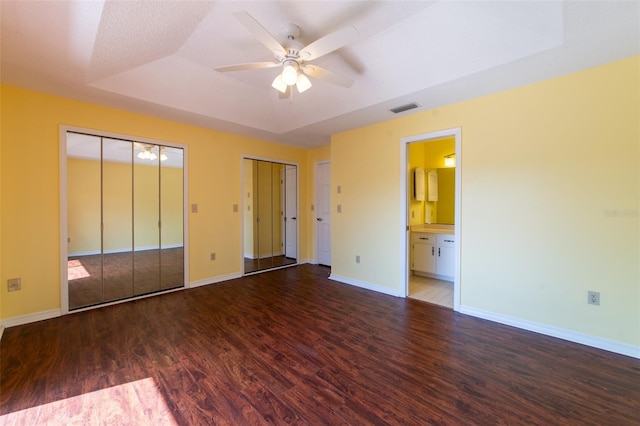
[(593, 298), (194, 208), (14, 284), (339, 189), (235, 208), (357, 258), (213, 256), (339, 208)]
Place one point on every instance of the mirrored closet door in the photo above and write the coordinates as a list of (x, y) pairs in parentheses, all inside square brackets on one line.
[(124, 219), (270, 215)]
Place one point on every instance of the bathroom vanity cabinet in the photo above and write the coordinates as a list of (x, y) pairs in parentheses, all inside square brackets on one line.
[(433, 254)]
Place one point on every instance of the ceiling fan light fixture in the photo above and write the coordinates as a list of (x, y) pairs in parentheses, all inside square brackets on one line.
[(147, 155), (290, 73), (303, 83), (279, 84)]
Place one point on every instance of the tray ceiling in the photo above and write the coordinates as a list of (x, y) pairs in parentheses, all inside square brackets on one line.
[(158, 58)]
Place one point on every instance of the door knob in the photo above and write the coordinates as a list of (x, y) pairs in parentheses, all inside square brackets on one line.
[(293, 218), (319, 219)]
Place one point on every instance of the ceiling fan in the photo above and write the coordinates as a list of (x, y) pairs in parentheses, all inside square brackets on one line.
[(292, 56)]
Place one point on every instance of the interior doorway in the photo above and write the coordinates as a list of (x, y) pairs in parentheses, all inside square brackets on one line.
[(431, 230)]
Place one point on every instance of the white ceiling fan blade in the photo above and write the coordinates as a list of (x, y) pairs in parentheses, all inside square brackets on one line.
[(329, 43), (326, 75), (260, 33), (249, 66)]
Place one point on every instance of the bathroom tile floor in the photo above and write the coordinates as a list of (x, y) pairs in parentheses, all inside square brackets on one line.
[(431, 290)]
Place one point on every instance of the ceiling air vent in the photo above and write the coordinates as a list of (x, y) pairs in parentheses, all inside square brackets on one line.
[(403, 108)]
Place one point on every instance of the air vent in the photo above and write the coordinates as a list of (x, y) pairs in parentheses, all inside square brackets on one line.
[(403, 108)]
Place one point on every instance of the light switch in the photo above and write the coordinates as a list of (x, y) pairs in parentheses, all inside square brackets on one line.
[(339, 208), (339, 189), (235, 208), (194, 208)]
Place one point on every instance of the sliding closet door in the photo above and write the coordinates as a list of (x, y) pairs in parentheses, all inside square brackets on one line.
[(270, 217), (125, 203), (171, 218), (84, 219), (117, 214), (146, 223)]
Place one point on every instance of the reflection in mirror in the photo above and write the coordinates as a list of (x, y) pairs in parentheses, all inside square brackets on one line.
[(146, 220), (171, 218), (445, 208), (84, 216), (270, 215), (124, 219), (117, 232)]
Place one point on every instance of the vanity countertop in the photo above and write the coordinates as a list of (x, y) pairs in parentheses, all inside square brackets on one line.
[(431, 229)]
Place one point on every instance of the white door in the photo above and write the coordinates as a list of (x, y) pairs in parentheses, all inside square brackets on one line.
[(323, 213), (290, 213)]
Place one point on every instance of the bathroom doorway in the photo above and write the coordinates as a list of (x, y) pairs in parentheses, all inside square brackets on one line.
[(432, 228)]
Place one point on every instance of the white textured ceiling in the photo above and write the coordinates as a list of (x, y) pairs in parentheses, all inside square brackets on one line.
[(158, 57)]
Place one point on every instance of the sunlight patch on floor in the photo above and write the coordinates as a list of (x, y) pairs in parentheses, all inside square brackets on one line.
[(76, 270), (132, 403)]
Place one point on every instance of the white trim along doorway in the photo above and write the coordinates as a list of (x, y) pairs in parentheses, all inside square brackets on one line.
[(404, 188)]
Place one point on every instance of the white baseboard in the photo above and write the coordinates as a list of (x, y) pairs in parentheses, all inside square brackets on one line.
[(560, 333), (214, 280), (25, 319), (365, 285)]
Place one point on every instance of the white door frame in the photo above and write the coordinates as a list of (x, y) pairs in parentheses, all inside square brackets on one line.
[(404, 165)]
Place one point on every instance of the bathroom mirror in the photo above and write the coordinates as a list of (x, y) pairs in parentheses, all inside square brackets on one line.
[(270, 215), (445, 207)]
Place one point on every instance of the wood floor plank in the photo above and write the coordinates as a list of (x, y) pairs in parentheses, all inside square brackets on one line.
[(293, 347)]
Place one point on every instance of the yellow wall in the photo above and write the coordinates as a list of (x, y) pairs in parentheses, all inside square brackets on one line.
[(30, 190), (544, 170), (416, 160)]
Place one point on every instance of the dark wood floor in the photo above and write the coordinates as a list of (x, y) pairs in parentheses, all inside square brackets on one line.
[(291, 346)]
